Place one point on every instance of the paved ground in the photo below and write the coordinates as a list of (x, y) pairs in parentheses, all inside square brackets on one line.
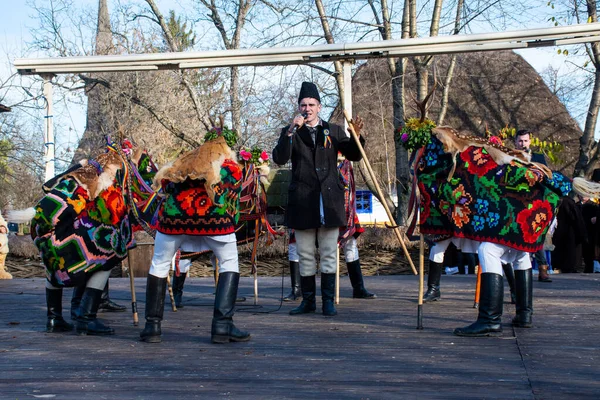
[(371, 350)]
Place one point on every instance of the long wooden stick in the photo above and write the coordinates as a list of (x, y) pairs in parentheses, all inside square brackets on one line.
[(477, 287), (253, 260), (421, 283), (337, 275), (379, 191), (171, 293), (132, 287)]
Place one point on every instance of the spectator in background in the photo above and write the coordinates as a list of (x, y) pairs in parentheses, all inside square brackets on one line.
[(590, 212), (569, 236), (4, 274)]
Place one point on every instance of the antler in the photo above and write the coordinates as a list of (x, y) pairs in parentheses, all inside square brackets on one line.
[(212, 122), (422, 105)]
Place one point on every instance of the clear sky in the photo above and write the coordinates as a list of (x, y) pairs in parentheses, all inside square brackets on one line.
[(16, 19)]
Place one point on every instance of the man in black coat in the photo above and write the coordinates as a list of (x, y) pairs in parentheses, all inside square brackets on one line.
[(315, 208)]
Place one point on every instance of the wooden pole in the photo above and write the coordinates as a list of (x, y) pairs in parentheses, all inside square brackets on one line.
[(421, 274), (171, 293), (337, 276), (477, 287), (253, 260), (132, 287), (379, 191)]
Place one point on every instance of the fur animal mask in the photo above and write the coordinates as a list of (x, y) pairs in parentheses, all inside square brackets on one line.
[(202, 163)]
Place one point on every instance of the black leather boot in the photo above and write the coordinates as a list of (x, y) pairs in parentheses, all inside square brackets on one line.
[(86, 321), (433, 282), (356, 279), (76, 300), (56, 322), (510, 278), (328, 294), (238, 299), (296, 292), (155, 306), (223, 330), (178, 282), (308, 284), (524, 303), (106, 304), (490, 308)]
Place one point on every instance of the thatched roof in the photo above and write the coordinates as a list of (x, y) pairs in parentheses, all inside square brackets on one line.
[(488, 89)]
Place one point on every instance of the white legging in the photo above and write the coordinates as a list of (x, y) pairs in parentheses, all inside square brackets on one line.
[(224, 248), (305, 245), (436, 253), (350, 251), (493, 255), (186, 263)]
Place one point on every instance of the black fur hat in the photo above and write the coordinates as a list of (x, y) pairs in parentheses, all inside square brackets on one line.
[(596, 175), (309, 89)]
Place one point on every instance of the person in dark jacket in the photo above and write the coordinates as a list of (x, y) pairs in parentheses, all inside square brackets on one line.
[(569, 236), (315, 208)]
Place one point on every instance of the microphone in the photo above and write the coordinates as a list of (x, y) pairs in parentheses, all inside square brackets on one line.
[(296, 126)]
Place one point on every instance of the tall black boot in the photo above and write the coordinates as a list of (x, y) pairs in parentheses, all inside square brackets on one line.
[(155, 306), (308, 284), (238, 299), (56, 322), (510, 278), (433, 282), (223, 330), (524, 303), (490, 308), (178, 282), (76, 300), (358, 285), (106, 304), (296, 293), (86, 321), (328, 294)]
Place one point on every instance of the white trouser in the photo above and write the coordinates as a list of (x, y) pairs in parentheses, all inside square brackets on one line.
[(96, 281), (350, 251), (165, 246), (493, 255), (436, 253), (305, 245)]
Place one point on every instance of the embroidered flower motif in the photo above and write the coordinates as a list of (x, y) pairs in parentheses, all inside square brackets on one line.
[(492, 219), (458, 210), (477, 160), (431, 158), (194, 201), (481, 206), (534, 220), (425, 205), (478, 223), (533, 177), (111, 205)]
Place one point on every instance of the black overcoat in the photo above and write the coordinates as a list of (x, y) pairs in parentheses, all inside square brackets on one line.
[(315, 173)]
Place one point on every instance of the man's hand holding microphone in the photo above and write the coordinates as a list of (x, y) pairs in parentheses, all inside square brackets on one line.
[(297, 123)]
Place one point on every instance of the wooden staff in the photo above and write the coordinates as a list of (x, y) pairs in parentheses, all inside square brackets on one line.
[(477, 287), (216, 271), (253, 260), (421, 273), (132, 287), (379, 191), (337, 275), (171, 293)]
